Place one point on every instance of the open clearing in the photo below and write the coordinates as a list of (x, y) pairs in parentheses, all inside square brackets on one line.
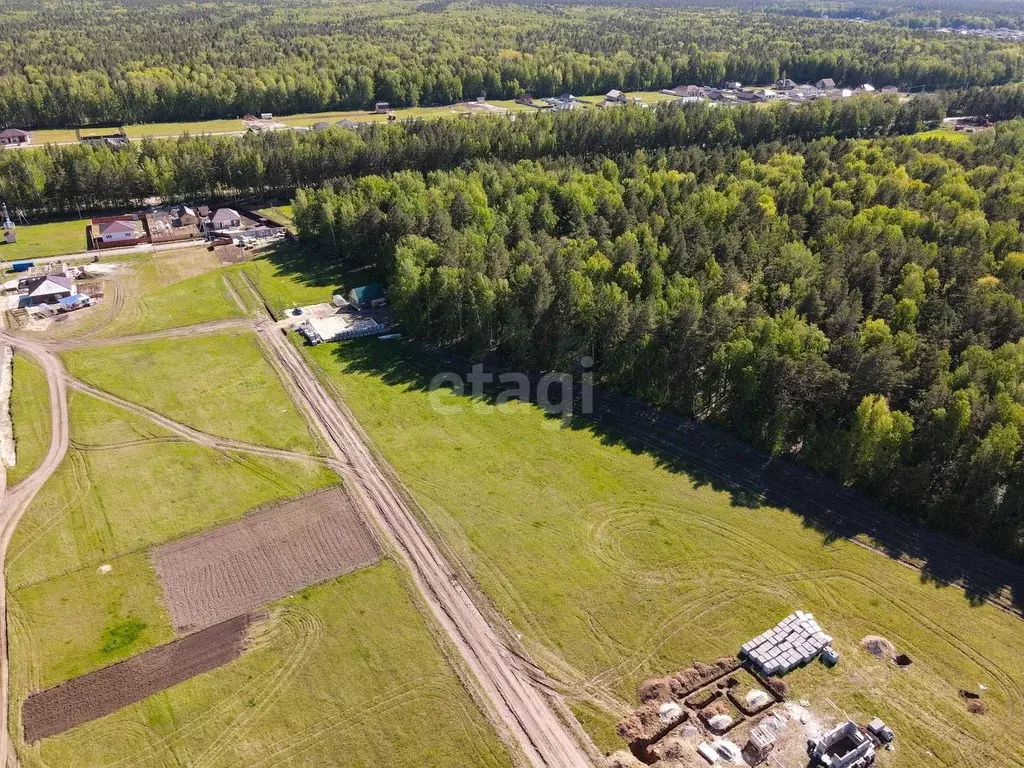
[(54, 239), (127, 484), (107, 690), (30, 413), (261, 558), (616, 568), (344, 673), (124, 614), (216, 383)]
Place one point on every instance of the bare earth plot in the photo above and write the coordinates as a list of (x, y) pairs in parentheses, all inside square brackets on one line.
[(262, 558), (107, 690)]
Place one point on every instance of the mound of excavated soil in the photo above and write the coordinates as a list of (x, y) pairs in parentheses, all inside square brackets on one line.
[(107, 690), (261, 558), (879, 647)]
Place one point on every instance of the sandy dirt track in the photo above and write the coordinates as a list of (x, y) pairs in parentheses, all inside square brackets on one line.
[(14, 502), (267, 555), (527, 713), (107, 690)]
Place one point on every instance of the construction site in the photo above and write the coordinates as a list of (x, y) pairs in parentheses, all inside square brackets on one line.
[(739, 711)]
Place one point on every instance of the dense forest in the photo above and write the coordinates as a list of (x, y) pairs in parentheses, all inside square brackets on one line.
[(100, 61), (854, 304), (75, 178)]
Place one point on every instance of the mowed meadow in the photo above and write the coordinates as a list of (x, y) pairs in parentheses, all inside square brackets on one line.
[(615, 568), (351, 671)]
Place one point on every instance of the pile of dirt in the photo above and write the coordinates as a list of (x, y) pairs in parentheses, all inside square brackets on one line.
[(698, 675), (107, 690), (780, 688), (655, 689), (642, 725), (879, 647), (715, 708), (974, 703), (622, 759)]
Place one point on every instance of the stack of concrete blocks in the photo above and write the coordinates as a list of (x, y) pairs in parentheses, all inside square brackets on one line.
[(791, 643)]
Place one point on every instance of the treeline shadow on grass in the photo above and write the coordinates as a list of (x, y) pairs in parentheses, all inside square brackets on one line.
[(713, 458), (308, 269)]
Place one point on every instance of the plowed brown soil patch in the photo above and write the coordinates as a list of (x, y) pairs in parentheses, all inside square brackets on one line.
[(107, 690), (263, 557)]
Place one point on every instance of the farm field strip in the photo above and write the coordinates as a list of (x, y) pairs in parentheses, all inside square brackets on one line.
[(265, 556), (100, 693)]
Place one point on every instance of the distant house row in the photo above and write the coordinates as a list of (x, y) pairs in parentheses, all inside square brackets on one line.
[(181, 222), (784, 89)]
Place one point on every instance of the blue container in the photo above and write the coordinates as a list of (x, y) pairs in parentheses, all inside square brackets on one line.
[(22, 266)]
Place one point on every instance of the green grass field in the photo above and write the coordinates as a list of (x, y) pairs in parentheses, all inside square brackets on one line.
[(345, 673), (288, 278), (282, 214), (30, 414), (615, 568), (54, 239), (170, 290), (127, 484), (217, 383), (67, 637)]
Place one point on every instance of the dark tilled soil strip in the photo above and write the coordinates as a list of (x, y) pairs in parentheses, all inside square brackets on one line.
[(107, 690)]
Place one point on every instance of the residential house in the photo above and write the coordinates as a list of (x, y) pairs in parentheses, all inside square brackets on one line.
[(689, 91), (187, 217), (225, 218), (117, 231), (322, 125), (826, 84), (616, 96), (890, 89), (371, 295), (350, 125), (46, 289), (14, 136), (784, 84), (381, 107), (526, 99), (733, 85), (866, 88)]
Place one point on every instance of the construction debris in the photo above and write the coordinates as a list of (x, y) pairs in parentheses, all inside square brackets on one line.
[(793, 642), (845, 746)]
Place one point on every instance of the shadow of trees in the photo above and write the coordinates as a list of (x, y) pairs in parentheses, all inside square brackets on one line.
[(715, 459)]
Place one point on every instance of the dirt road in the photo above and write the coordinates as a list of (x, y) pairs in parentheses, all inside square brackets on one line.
[(14, 502), (516, 701), (527, 713)]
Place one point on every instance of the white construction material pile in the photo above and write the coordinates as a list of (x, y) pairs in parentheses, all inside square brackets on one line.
[(794, 641)]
